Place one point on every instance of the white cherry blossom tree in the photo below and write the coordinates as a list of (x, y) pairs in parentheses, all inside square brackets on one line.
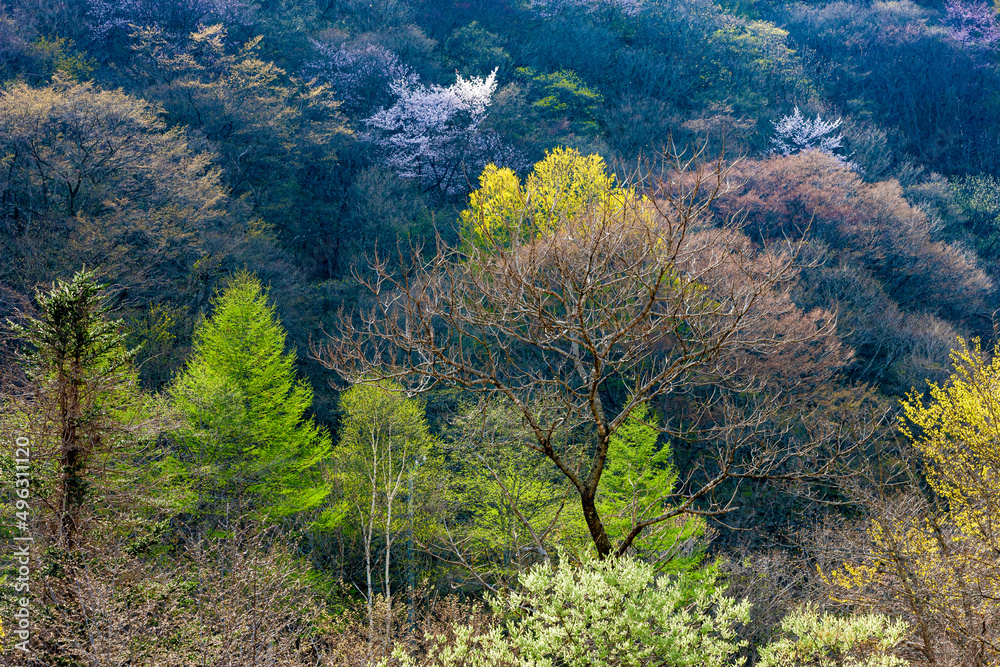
[(796, 133), (433, 133), (550, 8), (360, 75)]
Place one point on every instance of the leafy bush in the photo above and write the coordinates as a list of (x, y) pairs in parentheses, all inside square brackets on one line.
[(600, 613), (826, 640)]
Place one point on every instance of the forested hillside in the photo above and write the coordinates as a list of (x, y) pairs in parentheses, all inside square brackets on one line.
[(499, 332)]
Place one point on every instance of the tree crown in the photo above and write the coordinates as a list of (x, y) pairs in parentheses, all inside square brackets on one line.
[(245, 409)]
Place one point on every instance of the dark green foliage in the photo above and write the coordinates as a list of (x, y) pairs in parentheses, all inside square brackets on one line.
[(81, 375), (475, 50), (278, 137), (979, 199), (72, 340), (891, 63), (563, 95), (384, 213)]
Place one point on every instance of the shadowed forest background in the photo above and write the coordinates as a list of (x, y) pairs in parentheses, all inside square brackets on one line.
[(549, 332)]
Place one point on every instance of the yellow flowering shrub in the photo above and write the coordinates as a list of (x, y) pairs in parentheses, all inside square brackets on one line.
[(558, 191), (934, 559)]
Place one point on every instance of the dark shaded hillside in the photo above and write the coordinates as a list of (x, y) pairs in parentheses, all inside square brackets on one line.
[(280, 99)]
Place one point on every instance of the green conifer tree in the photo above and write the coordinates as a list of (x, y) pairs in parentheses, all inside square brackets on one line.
[(638, 482), (246, 429), (83, 405)]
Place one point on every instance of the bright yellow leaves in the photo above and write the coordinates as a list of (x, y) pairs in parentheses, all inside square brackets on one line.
[(561, 188), (934, 559), (851, 576), (959, 435), (496, 208)]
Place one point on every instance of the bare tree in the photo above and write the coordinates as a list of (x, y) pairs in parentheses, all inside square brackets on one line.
[(242, 599), (631, 299)]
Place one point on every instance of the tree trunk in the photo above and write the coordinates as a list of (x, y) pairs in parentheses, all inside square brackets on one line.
[(595, 525), (388, 587), (367, 535), (70, 454)]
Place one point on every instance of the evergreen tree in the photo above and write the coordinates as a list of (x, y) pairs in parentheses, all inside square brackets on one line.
[(638, 482), (82, 386), (244, 409)]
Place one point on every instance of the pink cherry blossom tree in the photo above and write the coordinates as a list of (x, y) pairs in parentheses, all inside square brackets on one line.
[(972, 24)]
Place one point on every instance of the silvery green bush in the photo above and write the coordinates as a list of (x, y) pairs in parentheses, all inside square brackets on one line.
[(600, 614)]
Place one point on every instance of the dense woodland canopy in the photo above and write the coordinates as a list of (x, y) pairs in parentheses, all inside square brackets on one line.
[(500, 332)]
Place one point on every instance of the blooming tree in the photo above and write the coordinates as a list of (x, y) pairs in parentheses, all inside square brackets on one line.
[(550, 8), (796, 133), (612, 613), (814, 638), (434, 133), (972, 24), (361, 76), (115, 19)]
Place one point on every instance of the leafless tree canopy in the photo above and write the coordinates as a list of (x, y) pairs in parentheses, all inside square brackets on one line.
[(625, 303)]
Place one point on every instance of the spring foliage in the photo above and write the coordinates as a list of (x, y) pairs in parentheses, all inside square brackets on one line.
[(958, 434), (602, 613), (638, 479), (381, 436), (935, 561), (825, 640), (244, 409), (558, 189)]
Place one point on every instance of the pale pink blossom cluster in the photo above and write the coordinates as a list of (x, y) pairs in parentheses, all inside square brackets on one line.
[(176, 19), (360, 75), (973, 24), (795, 133)]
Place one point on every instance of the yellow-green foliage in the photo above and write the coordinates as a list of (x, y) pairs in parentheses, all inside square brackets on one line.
[(753, 60), (564, 95), (638, 481), (245, 413), (610, 613), (937, 560), (559, 189), (383, 434), (518, 506), (825, 640), (58, 53)]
